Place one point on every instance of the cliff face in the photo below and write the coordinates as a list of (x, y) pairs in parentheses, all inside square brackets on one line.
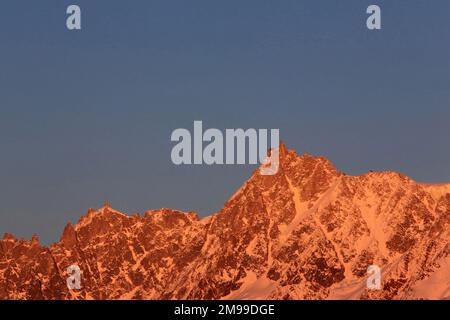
[(308, 232)]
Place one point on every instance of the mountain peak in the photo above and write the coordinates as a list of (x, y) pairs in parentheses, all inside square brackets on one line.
[(9, 237), (35, 240), (103, 213), (289, 159), (68, 238), (283, 149)]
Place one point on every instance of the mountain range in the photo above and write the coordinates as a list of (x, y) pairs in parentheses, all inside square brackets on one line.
[(308, 232)]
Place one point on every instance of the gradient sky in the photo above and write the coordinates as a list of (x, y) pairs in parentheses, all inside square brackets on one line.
[(87, 116)]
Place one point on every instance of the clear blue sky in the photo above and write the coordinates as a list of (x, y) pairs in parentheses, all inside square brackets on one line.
[(87, 116)]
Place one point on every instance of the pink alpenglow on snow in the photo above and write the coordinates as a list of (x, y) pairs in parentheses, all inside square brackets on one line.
[(307, 232)]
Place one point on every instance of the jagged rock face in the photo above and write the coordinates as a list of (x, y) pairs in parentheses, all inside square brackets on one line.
[(308, 232)]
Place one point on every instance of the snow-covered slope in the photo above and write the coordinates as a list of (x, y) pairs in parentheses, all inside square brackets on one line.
[(308, 232)]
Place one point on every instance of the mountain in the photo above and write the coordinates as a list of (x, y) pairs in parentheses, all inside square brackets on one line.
[(308, 232)]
